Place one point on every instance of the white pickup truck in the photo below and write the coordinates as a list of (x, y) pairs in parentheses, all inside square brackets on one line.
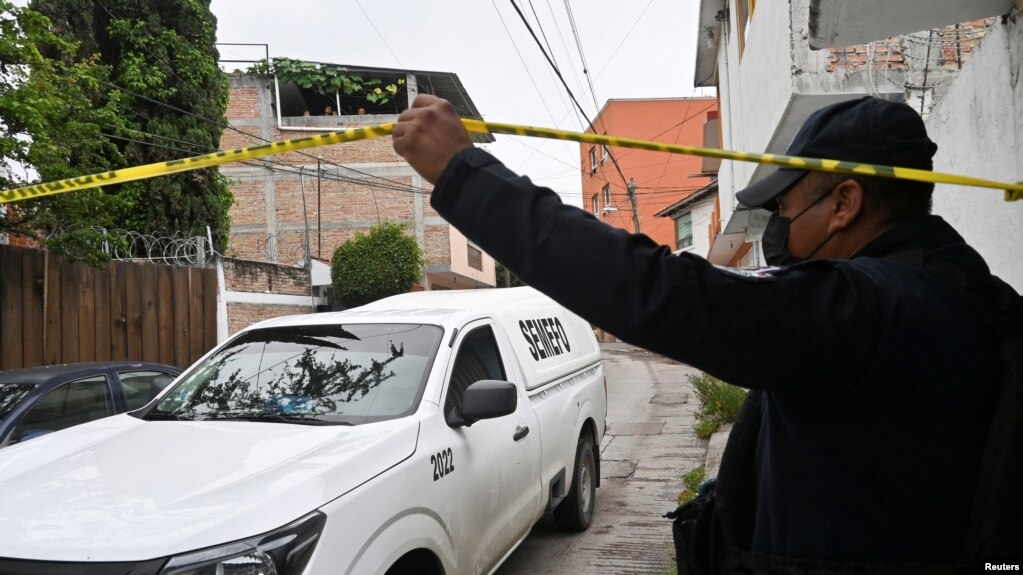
[(425, 433)]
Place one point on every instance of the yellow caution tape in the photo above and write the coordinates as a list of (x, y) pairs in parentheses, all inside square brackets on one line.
[(193, 163), (1013, 192)]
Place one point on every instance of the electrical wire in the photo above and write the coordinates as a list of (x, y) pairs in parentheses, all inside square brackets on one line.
[(624, 38), (582, 57), (381, 36), (571, 61), (525, 21), (523, 61)]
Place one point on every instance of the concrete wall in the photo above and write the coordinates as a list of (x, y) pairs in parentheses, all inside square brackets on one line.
[(254, 291), (765, 79), (754, 89), (978, 126)]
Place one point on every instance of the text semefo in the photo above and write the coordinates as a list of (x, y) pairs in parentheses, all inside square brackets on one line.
[(545, 337)]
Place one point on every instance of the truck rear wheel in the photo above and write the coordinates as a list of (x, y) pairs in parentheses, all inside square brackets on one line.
[(575, 513)]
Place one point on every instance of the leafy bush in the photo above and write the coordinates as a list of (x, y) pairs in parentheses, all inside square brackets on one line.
[(384, 262), (719, 403)]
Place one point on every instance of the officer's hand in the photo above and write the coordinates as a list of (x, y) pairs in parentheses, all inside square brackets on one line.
[(428, 135)]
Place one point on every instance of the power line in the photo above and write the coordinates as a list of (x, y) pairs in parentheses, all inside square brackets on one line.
[(565, 84), (571, 61), (582, 56), (542, 33), (522, 60), (626, 37), (384, 40), (557, 68)]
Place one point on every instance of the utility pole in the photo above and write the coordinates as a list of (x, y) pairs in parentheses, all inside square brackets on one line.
[(632, 201)]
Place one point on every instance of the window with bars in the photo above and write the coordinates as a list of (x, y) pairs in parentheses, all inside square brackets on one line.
[(475, 258)]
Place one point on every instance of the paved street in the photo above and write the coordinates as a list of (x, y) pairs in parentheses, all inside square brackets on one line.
[(649, 444)]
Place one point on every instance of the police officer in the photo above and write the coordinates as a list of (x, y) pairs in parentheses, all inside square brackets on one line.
[(878, 380)]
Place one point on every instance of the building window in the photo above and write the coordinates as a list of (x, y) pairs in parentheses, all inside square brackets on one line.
[(684, 231), (475, 258), (593, 160), (607, 195), (596, 205), (606, 154)]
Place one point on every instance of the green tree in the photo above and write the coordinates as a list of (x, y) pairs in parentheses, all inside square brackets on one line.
[(53, 109), (163, 64), (384, 262)]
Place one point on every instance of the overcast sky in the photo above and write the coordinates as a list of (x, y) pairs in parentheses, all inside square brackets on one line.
[(637, 49)]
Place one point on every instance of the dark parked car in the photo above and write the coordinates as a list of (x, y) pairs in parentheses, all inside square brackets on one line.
[(39, 400)]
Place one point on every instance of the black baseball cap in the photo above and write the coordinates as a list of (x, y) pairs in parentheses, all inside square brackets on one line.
[(866, 130)]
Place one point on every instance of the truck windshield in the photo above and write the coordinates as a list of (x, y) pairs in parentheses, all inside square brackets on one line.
[(340, 374)]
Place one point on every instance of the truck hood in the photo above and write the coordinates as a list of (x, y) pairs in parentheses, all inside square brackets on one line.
[(123, 489)]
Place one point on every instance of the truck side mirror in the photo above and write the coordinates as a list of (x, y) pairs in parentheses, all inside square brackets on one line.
[(487, 399)]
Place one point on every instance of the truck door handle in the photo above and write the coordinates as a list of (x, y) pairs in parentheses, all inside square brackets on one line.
[(520, 432)]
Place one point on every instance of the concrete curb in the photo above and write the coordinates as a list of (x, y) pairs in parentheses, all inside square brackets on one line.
[(715, 449)]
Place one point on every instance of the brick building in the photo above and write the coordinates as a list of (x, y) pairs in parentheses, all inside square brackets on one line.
[(332, 192), (674, 198)]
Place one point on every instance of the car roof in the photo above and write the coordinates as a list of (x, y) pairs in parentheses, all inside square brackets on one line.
[(46, 373)]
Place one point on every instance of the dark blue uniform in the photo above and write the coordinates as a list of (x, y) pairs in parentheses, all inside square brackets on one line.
[(879, 380)]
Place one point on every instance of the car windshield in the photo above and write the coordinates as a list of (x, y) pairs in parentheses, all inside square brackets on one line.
[(11, 395), (323, 374)]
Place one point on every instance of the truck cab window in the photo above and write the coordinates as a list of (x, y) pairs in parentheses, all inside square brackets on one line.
[(478, 358)]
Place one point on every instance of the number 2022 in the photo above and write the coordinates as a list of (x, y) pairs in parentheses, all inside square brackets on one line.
[(443, 463)]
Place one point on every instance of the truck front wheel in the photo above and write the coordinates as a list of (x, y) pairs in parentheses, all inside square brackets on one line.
[(575, 513)]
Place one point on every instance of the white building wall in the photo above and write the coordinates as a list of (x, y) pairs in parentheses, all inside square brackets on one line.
[(702, 213), (765, 80), (755, 88), (978, 126)]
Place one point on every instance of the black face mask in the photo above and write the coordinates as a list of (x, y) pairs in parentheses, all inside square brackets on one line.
[(776, 236)]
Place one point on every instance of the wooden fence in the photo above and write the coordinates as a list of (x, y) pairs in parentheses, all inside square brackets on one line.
[(55, 311)]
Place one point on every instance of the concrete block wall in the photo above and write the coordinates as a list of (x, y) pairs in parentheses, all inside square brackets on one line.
[(262, 277), (978, 126), (255, 291)]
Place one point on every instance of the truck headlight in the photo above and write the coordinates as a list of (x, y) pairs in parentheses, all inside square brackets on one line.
[(285, 551)]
